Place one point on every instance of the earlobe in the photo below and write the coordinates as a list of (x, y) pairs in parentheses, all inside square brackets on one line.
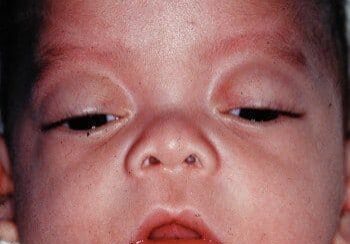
[(8, 231)]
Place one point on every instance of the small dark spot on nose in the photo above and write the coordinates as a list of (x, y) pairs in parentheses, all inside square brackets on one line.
[(191, 159)]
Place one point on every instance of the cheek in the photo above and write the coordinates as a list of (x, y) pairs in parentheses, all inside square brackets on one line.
[(284, 185), (72, 187)]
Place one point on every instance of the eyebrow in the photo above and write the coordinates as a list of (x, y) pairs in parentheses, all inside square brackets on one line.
[(48, 54), (52, 52), (274, 45)]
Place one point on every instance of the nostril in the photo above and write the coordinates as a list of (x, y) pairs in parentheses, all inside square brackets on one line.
[(151, 161), (192, 160)]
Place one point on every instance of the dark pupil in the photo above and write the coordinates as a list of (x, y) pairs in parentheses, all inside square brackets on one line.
[(87, 122), (258, 115)]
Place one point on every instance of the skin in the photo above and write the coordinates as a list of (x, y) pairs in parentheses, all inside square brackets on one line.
[(171, 71)]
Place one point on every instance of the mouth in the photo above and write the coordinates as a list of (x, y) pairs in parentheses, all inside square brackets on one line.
[(165, 227)]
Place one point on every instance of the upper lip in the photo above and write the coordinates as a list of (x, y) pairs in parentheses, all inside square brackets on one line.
[(187, 218)]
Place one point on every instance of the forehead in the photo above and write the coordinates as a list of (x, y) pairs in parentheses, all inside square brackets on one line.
[(169, 26), (159, 38)]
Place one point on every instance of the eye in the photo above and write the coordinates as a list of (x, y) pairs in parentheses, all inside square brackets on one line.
[(82, 123), (261, 114), (88, 122)]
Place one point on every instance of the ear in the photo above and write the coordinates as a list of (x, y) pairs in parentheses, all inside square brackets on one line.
[(6, 183), (343, 235), (8, 231)]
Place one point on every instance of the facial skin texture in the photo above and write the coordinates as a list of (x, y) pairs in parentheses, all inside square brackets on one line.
[(172, 70)]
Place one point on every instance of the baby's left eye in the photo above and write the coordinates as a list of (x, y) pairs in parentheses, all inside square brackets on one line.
[(260, 114)]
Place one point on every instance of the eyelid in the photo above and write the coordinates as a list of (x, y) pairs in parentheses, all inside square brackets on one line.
[(271, 114), (109, 117), (236, 111), (64, 122)]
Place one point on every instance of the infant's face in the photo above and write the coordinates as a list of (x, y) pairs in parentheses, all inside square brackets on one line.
[(214, 115)]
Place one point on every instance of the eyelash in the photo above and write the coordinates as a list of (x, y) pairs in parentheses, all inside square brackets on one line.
[(262, 115), (86, 122), (90, 122)]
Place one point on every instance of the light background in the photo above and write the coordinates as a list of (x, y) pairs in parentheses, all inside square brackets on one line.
[(348, 34)]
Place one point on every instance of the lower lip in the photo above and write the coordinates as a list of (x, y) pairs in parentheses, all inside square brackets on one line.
[(175, 242), (174, 231)]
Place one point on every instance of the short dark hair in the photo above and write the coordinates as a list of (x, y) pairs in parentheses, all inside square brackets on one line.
[(20, 26)]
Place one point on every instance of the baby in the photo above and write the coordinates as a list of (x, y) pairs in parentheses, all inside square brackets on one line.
[(175, 122)]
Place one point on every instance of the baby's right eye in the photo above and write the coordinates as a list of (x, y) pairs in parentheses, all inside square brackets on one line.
[(83, 123)]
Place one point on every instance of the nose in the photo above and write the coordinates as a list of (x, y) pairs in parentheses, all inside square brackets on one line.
[(174, 145)]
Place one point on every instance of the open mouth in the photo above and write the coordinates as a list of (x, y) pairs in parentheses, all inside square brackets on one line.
[(164, 227), (174, 231)]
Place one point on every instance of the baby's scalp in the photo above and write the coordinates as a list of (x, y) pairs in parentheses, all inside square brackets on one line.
[(264, 148)]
